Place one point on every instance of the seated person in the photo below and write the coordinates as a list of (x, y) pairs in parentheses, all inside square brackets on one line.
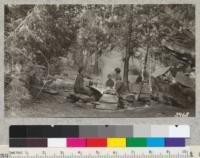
[(139, 79), (110, 83), (79, 86)]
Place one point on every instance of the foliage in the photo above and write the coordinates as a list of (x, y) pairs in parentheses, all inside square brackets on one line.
[(40, 35), (18, 93), (37, 39)]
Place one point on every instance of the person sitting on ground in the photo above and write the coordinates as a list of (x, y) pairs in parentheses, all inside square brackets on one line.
[(110, 83), (139, 79), (79, 86)]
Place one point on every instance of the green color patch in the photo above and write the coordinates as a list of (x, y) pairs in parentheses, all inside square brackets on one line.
[(136, 142)]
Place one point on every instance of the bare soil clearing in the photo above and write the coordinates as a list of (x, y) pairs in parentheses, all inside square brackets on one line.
[(57, 107)]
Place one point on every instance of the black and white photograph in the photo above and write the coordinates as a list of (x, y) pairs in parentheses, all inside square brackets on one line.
[(99, 60)]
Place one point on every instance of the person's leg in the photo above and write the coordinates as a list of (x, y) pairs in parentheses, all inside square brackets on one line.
[(87, 91), (120, 104)]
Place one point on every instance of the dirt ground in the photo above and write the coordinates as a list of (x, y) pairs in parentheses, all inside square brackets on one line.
[(56, 106)]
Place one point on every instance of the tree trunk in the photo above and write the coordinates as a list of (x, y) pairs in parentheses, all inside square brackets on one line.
[(147, 52), (146, 59), (145, 62), (126, 69), (143, 71), (150, 68), (96, 65), (128, 48)]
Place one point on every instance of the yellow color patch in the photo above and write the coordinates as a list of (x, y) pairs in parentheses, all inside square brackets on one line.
[(116, 142)]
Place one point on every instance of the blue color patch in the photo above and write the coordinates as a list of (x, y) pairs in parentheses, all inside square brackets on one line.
[(155, 142)]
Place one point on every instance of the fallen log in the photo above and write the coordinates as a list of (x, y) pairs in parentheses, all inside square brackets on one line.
[(45, 90)]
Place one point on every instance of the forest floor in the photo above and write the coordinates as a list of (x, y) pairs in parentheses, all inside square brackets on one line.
[(56, 106)]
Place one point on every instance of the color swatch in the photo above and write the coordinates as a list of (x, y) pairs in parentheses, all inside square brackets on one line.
[(116, 142), (175, 142), (136, 142), (155, 142), (76, 142), (96, 142), (56, 142)]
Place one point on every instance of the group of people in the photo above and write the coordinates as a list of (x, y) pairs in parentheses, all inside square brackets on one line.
[(113, 82)]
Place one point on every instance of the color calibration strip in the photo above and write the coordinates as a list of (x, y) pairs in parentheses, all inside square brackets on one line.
[(97, 142), (100, 131), (99, 136)]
